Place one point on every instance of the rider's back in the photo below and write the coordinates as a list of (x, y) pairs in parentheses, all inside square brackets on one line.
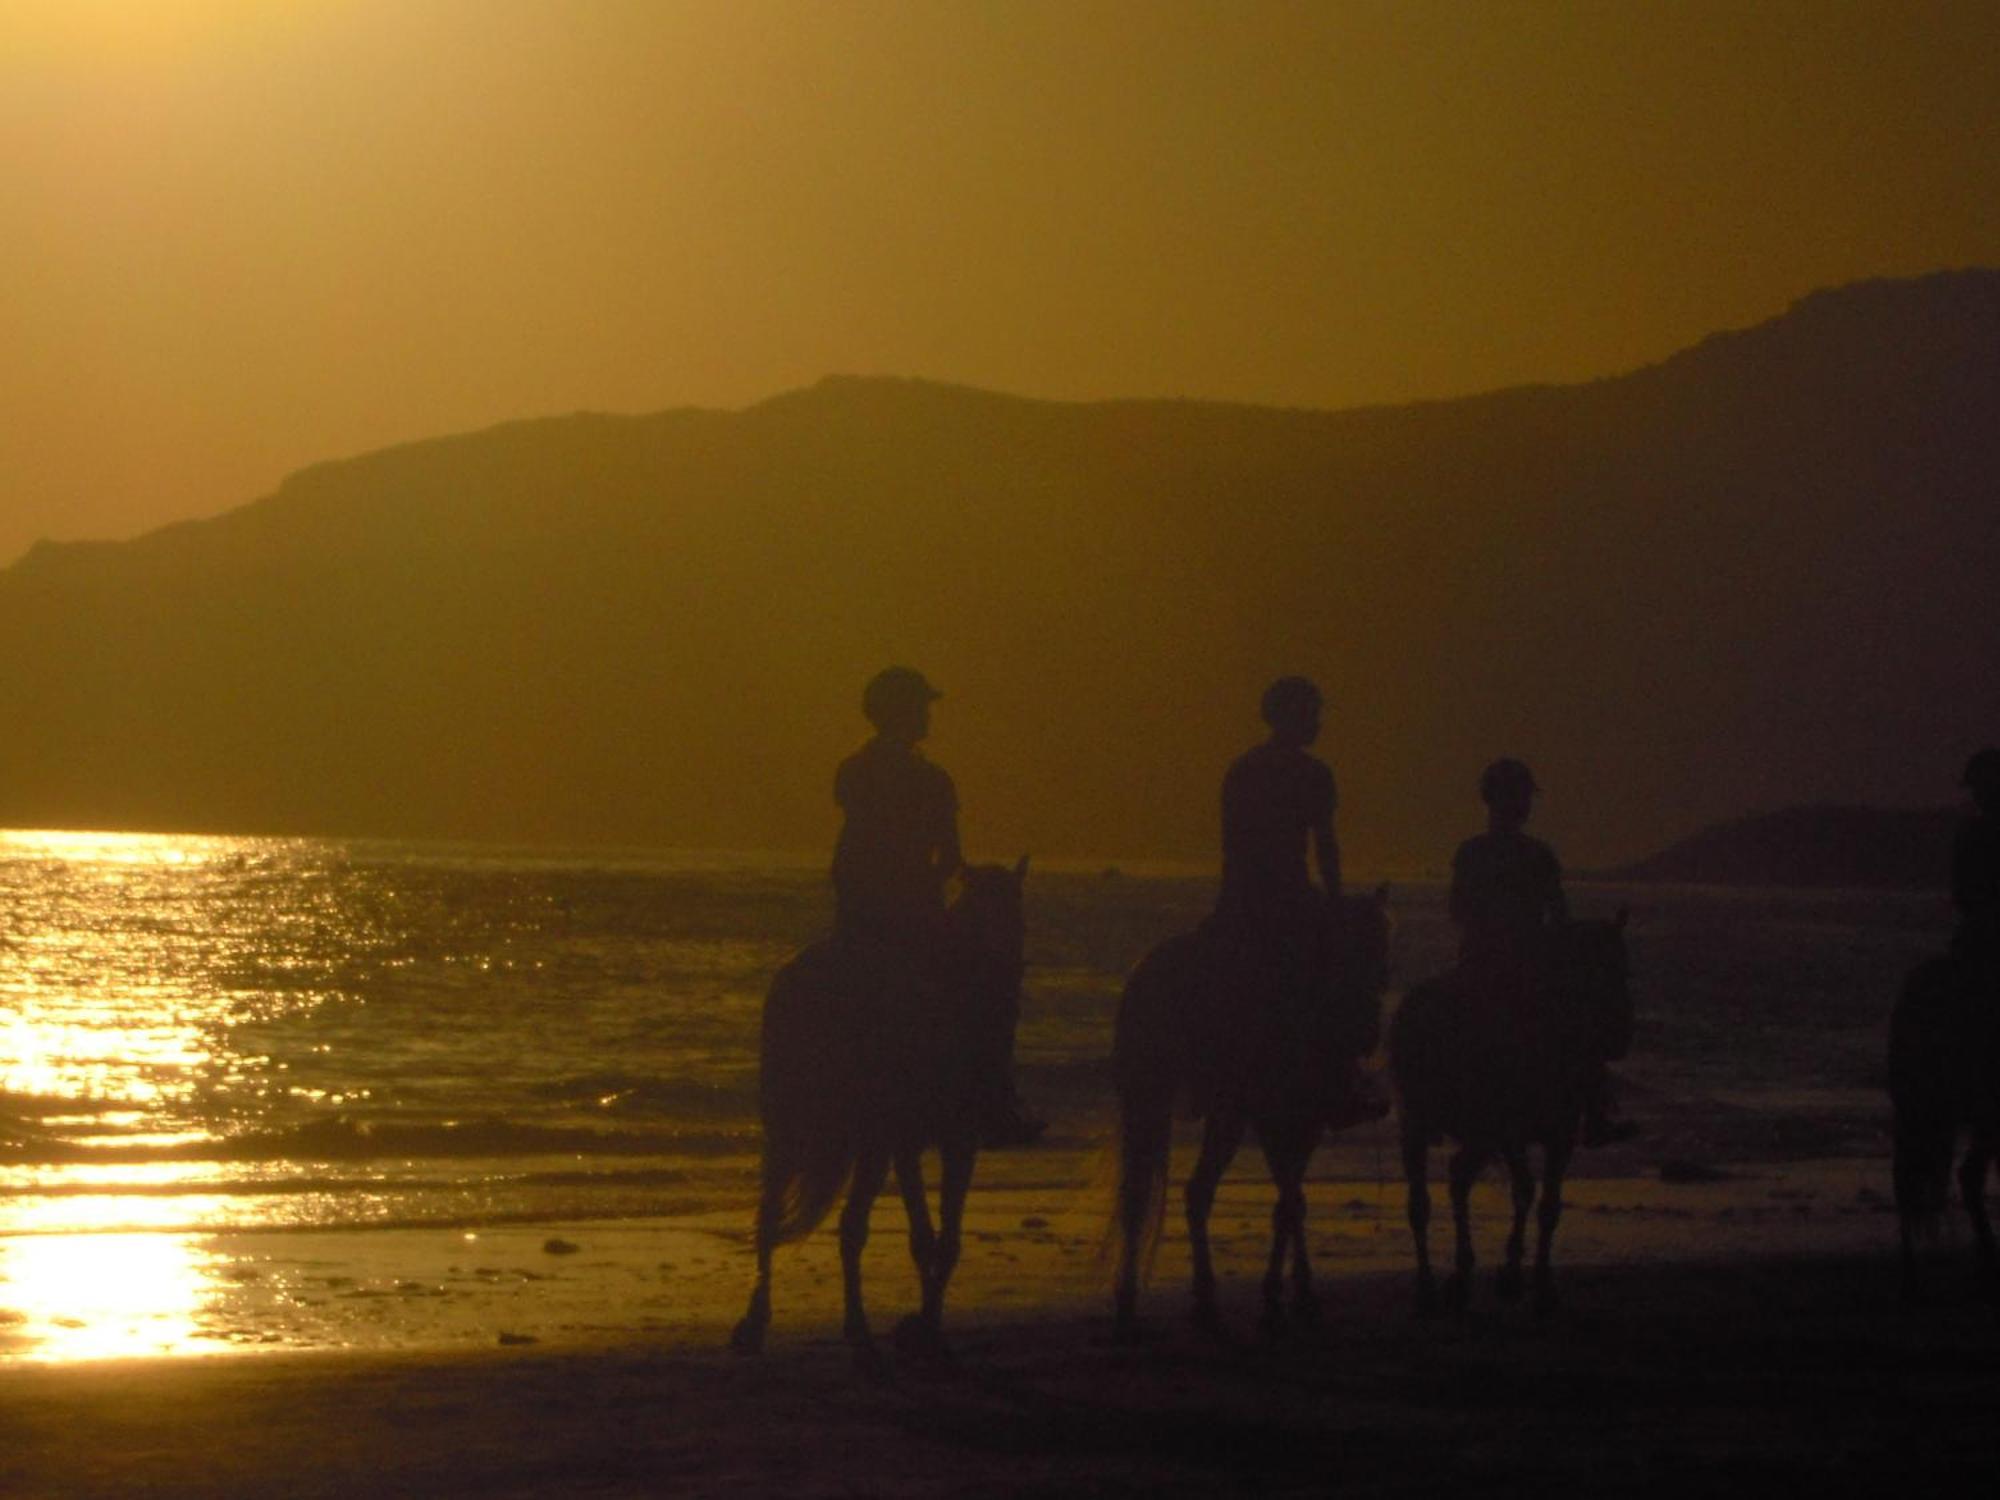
[(1273, 796), (1506, 890), (900, 815)]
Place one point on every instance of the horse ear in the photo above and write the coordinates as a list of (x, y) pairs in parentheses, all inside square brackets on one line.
[(1021, 869), (1624, 916)]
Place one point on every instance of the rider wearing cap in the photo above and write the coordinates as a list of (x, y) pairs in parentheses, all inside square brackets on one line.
[(1275, 927), (1506, 897), (897, 850), (1975, 877), (898, 843)]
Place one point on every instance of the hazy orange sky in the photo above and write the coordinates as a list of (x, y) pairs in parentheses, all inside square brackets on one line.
[(236, 238)]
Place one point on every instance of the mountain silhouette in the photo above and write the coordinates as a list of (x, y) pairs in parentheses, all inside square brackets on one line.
[(1759, 573), (1854, 847)]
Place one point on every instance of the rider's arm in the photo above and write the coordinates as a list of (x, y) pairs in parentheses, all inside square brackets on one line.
[(946, 855), (1326, 848), (1557, 903), (950, 859)]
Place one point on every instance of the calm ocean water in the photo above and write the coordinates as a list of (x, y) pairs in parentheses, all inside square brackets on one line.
[(200, 1033)]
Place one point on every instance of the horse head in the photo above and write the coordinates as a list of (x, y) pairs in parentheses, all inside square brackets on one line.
[(989, 914), (1365, 928), (1592, 968)]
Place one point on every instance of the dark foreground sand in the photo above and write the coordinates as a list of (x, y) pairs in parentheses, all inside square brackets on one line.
[(1796, 1376)]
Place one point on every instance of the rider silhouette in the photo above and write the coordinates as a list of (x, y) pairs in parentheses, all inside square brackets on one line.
[(898, 848), (1506, 897), (1975, 879), (1273, 927)]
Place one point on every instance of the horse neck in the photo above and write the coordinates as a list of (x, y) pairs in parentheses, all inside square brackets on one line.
[(1589, 958), (991, 941)]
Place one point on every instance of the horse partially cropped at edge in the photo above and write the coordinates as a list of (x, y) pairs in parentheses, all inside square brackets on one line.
[(1499, 1084), (857, 1078), (1289, 1103), (1944, 1078)]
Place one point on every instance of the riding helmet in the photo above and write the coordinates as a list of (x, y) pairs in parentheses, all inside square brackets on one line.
[(894, 690)]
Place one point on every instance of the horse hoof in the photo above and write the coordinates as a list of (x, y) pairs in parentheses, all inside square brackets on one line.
[(1308, 1314), (918, 1338), (1508, 1284), (1127, 1330), (1208, 1322), (747, 1337), (1547, 1303), (1272, 1324), (1457, 1293), (1427, 1299), (869, 1363)]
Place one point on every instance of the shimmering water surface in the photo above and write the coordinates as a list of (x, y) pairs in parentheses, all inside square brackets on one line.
[(210, 1034)]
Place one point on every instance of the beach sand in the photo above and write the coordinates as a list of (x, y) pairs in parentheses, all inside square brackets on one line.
[(1732, 1335)]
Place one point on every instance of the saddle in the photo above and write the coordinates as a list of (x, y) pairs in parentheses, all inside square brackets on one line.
[(1265, 1005)]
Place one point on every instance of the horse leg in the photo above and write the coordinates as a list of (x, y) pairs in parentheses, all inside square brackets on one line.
[(1288, 1165), (1972, 1190), (1910, 1286), (1305, 1300), (870, 1171), (748, 1337), (1466, 1165), (1555, 1162), (1508, 1284), (1416, 1176), (917, 1209), (1219, 1140), (956, 1169)]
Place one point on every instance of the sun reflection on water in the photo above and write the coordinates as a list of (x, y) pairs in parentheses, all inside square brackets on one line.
[(70, 1297)]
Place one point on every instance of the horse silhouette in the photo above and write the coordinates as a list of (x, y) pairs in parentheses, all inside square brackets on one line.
[(1288, 1097), (1944, 1078), (1499, 1081), (856, 1079)]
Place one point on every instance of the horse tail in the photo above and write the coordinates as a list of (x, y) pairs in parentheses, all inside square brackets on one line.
[(807, 1099), (1921, 1045), (1148, 1055)]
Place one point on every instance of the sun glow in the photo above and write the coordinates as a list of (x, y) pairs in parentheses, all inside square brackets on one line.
[(86, 846), (104, 1296)]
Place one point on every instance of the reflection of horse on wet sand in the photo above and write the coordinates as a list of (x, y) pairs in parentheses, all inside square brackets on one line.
[(1944, 1078), (854, 1082), (1289, 1096), (1500, 1080)]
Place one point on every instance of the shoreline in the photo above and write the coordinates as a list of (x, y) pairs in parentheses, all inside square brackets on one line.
[(1033, 1229), (1692, 1376)]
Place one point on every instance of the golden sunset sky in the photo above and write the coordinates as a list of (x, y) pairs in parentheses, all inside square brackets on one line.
[(237, 238)]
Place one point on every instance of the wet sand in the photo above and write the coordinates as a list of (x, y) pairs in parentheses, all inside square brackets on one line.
[(1762, 1377), (1734, 1335)]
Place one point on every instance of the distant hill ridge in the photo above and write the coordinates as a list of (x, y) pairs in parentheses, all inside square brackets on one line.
[(1758, 573), (1849, 847)]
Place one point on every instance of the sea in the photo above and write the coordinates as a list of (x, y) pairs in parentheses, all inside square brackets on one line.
[(216, 1033)]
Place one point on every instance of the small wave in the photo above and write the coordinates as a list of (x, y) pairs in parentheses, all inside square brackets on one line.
[(262, 1185), (349, 1140), (647, 1096)]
